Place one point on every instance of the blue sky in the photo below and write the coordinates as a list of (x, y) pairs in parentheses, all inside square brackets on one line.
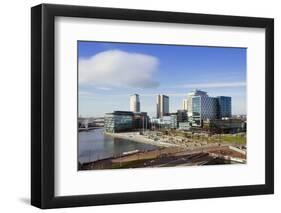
[(110, 72)]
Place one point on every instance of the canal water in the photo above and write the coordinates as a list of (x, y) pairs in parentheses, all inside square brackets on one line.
[(94, 145)]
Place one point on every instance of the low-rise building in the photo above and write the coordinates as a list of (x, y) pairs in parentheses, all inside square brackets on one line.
[(227, 125), (173, 121), (182, 116), (141, 121), (184, 126), (118, 121), (122, 121), (165, 122)]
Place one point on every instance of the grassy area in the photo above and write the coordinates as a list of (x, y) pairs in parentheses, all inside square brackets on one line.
[(231, 139), (225, 138)]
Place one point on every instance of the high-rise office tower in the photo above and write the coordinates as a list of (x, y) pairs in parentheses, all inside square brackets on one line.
[(203, 108), (135, 103), (189, 100), (162, 106), (224, 106)]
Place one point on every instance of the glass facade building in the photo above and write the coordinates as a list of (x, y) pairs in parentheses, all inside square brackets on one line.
[(169, 121), (141, 121), (182, 116), (118, 121), (224, 106), (123, 121), (203, 108), (190, 98)]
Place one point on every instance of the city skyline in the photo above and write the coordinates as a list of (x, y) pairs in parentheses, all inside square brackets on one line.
[(106, 79)]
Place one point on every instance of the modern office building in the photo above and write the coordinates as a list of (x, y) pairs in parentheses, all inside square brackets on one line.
[(162, 106), (169, 121), (135, 103), (173, 121), (203, 108), (118, 121), (123, 121), (200, 107), (223, 107), (182, 116), (141, 121), (190, 95)]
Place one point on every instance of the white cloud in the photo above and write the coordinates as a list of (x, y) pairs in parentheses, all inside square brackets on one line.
[(215, 85), (116, 68)]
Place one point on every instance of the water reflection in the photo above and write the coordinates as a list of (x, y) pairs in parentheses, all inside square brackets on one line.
[(94, 145)]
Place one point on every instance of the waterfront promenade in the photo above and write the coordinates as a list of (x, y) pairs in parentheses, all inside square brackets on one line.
[(137, 137), (161, 139)]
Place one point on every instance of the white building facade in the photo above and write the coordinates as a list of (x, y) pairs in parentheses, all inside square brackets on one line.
[(189, 100), (184, 104), (135, 103)]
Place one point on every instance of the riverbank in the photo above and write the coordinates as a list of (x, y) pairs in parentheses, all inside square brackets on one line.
[(135, 136), (95, 145), (161, 140)]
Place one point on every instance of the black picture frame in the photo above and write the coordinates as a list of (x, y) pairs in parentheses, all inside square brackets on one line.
[(43, 101)]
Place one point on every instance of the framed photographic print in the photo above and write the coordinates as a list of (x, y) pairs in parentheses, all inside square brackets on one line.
[(139, 106)]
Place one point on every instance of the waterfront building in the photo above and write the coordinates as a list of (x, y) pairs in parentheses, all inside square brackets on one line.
[(190, 96), (118, 121), (223, 107), (135, 103), (162, 106), (203, 108), (123, 121), (141, 121)]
